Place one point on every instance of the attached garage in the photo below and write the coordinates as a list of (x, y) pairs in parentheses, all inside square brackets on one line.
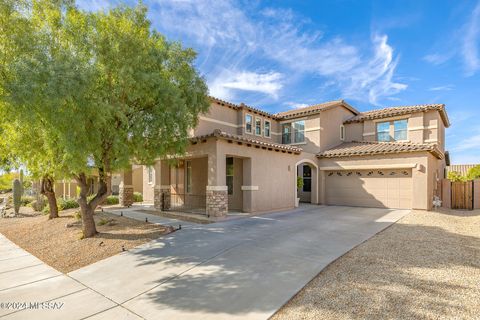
[(382, 188)]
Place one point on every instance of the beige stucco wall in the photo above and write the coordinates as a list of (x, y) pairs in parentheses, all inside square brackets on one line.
[(422, 176), (147, 188), (330, 122), (423, 127), (218, 117)]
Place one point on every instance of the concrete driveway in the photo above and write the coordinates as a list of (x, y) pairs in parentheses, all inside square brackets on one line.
[(245, 269)]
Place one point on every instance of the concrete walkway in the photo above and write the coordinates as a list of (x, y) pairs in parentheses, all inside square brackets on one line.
[(240, 269)]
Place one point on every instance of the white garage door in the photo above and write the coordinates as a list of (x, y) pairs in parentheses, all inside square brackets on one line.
[(370, 188)]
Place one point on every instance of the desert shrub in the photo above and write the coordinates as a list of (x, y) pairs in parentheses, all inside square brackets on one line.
[(137, 197), (111, 200), (474, 173), (77, 215), (455, 176), (63, 204), (6, 181), (26, 200)]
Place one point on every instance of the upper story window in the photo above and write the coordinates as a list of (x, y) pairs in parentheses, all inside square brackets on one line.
[(400, 130), (258, 126), (293, 132), (342, 132), (248, 123), (266, 129), (392, 130)]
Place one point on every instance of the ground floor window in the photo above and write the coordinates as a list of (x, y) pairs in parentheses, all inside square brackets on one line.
[(230, 175)]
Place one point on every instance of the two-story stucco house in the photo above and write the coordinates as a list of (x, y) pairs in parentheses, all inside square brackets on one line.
[(244, 159)]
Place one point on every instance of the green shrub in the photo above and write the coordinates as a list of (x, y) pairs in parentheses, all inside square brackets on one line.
[(63, 204), (299, 183), (26, 200), (455, 176), (474, 173), (6, 181), (111, 200), (137, 197), (102, 222), (77, 215)]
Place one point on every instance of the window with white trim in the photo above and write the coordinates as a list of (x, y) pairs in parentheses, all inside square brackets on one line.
[(266, 129), (342, 132), (258, 126), (248, 123)]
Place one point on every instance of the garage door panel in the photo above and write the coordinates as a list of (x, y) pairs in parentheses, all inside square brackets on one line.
[(374, 188)]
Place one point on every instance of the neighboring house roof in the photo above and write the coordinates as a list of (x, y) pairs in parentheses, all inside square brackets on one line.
[(461, 168), (355, 148), (398, 111), (315, 109), (291, 113), (242, 139)]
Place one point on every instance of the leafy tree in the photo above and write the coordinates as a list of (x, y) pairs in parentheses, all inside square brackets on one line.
[(104, 87), (456, 176), (474, 173)]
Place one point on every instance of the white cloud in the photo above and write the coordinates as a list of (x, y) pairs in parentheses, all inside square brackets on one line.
[(437, 58), (463, 43), (470, 143), (471, 42), (268, 83), (447, 87), (296, 105), (280, 41)]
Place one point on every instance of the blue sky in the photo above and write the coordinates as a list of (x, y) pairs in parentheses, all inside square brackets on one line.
[(279, 55)]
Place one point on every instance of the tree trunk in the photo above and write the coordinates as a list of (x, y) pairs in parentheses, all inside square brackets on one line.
[(88, 223), (47, 190), (87, 209)]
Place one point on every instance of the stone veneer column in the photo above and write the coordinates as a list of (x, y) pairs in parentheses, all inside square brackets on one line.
[(125, 195), (161, 200), (217, 201)]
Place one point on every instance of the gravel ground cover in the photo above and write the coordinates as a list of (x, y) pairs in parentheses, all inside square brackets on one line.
[(58, 242), (426, 266)]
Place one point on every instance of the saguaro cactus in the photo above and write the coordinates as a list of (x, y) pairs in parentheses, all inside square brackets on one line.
[(17, 195)]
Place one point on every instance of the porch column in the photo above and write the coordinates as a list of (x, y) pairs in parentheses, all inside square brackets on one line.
[(125, 194), (321, 187), (247, 182), (217, 191), (161, 197)]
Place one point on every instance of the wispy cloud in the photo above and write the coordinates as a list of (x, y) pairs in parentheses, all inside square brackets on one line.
[(447, 87), (277, 40), (437, 58), (295, 105), (268, 83), (471, 42), (463, 43)]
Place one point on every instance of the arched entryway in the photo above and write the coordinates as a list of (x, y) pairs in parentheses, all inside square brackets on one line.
[(307, 170)]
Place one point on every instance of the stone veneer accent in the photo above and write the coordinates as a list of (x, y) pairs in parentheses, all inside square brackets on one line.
[(217, 201), (125, 195), (159, 194)]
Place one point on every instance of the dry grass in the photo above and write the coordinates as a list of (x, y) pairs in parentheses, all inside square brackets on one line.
[(426, 266), (61, 247)]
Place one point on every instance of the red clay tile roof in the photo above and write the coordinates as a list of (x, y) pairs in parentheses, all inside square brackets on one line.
[(314, 109), (398, 111), (348, 149), (232, 137)]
